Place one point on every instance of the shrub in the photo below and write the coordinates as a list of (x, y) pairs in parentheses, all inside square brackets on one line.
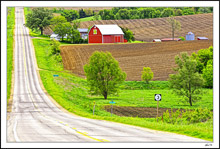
[(55, 47), (182, 38), (147, 74)]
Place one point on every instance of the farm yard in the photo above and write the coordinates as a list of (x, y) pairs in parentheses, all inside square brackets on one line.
[(149, 29), (133, 57)]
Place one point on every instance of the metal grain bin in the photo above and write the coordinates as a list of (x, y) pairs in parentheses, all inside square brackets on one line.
[(190, 36)]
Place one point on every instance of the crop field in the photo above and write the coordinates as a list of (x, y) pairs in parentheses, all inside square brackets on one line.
[(149, 29), (133, 57)]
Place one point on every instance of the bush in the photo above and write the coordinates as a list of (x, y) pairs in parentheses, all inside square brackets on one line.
[(187, 117), (55, 47), (147, 74), (182, 38), (207, 74)]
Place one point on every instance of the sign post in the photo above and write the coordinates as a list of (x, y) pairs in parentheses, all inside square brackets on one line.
[(157, 98), (111, 102)]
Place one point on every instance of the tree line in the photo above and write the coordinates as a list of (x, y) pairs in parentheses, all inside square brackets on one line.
[(120, 13)]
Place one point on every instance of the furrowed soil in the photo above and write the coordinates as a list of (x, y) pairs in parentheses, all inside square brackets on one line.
[(132, 57), (143, 112), (148, 29)]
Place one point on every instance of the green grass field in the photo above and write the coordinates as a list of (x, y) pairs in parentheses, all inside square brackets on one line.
[(71, 92), (88, 19), (10, 40)]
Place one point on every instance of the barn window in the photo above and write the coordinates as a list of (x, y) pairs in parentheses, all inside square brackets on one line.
[(95, 31)]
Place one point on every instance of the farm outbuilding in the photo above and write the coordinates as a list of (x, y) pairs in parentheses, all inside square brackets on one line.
[(156, 40), (170, 39), (83, 32), (106, 34), (202, 38), (190, 36)]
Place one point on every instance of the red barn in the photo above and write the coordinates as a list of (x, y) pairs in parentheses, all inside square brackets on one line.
[(105, 34)]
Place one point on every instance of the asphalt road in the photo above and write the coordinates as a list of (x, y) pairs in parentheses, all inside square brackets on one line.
[(34, 118)]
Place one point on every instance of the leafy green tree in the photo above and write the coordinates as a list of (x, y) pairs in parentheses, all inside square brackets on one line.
[(73, 34), (187, 81), (128, 34), (38, 18), (174, 24), (178, 12), (103, 74), (88, 12), (207, 74), (202, 57), (82, 13), (188, 11), (106, 14), (55, 47), (167, 12), (56, 20), (76, 24), (70, 15), (123, 14), (147, 74), (62, 29)]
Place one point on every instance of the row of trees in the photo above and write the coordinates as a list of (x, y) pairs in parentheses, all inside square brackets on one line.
[(118, 13)]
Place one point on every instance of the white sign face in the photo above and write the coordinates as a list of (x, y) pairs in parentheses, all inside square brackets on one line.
[(157, 97)]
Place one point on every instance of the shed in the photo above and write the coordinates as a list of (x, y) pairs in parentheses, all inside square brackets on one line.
[(156, 40), (56, 36), (106, 34), (83, 33), (190, 36), (170, 39), (202, 38)]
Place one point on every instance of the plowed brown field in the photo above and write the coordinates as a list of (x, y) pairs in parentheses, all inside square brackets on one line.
[(133, 57), (149, 29)]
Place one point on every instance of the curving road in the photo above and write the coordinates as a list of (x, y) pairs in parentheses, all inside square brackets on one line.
[(35, 118)]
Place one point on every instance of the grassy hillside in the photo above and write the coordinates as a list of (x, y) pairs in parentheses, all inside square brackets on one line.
[(71, 92), (10, 40)]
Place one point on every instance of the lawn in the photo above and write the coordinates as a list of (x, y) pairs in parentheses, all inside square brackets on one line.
[(71, 92), (10, 41), (88, 19)]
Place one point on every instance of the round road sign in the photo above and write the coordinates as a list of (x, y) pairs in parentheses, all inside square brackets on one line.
[(157, 97)]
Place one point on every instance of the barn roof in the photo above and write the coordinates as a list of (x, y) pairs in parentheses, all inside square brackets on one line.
[(109, 29), (83, 30)]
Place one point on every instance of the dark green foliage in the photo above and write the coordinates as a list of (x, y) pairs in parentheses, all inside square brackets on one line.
[(167, 12), (38, 18), (128, 34), (62, 29), (204, 59), (207, 74), (123, 14), (106, 14), (82, 13), (187, 117), (103, 74), (187, 82), (70, 15), (73, 35), (188, 11)]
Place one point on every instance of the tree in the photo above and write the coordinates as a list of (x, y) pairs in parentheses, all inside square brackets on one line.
[(103, 74), (106, 14), (73, 34), (70, 15), (147, 74), (82, 13), (178, 12), (202, 57), (167, 12), (175, 25), (187, 81), (55, 47), (56, 20), (188, 11), (38, 18), (207, 74), (123, 14), (62, 29), (128, 34), (76, 24)]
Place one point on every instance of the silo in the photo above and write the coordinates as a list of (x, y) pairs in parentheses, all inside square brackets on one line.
[(190, 36)]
